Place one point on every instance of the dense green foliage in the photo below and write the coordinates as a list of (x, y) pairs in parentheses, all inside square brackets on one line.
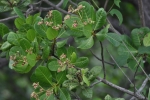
[(59, 70)]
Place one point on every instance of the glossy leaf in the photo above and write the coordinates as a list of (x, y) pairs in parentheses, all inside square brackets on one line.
[(3, 29), (117, 2), (146, 40), (25, 44), (136, 37), (61, 77), (85, 80), (96, 70), (87, 44), (56, 17), (30, 20), (19, 13), (101, 35), (114, 38), (53, 65), (6, 45), (46, 52), (81, 62), (100, 18), (88, 30), (13, 38), (39, 30), (31, 34), (31, 59), (64, 94), (61, 43), (19, 22), (88, 12), (144, 50), (118, 14), (42, 75), (65, 3), (51, 33), (87, 92), (73, 57)]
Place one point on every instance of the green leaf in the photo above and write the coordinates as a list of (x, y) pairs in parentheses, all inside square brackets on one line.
[(19, 13), (96, 70), (117, 2), (19, 22), (25, 44), (100, 18), (118, 14), (144, 50), (119, 99), (87, 44), (88, 12), (65, 2), (101, 35), (13, 38), (108, 97), (88, 30), (61, 77), (31, 34), (146, 40), (16, 49), (149, 94), (74, 20), (3, 29), (31, 59), (61, 43), (136, 37), (122, 59), (42, 75), (53, 65), (73, 57), (6, 45), (70, 85), (87, 92), (56, 17), (30, 20), (122, 50), (64, 94), (132, 64), (70, 50), (114, 38), (46, 52), (75, 32), (85, 79), (39, 30), (51, 33), (81, 62)]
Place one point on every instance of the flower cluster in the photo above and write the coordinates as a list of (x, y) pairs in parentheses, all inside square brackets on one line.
[(72, 10), (40, 90)]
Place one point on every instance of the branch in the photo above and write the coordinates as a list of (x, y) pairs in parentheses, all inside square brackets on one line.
[(56, 7), (141, 88), (138, 96), (141, 12), (102, 56), (73, 3), (105, 5)]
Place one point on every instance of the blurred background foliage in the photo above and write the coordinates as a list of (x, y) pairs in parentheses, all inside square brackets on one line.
[(14, 86)]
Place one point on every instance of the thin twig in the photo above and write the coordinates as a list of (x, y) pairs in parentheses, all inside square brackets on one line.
[(70, 1), (102, 56), (141, 88), (120, 68), (138, 96), (141, 12), (56, 7), (105, 5)]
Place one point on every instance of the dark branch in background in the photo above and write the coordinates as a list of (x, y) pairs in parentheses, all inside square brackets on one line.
[(141, 88), (141, 12), (138, 96), (102, 56), (105, 5), (135, 76), (71, 2), (56, 7)]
